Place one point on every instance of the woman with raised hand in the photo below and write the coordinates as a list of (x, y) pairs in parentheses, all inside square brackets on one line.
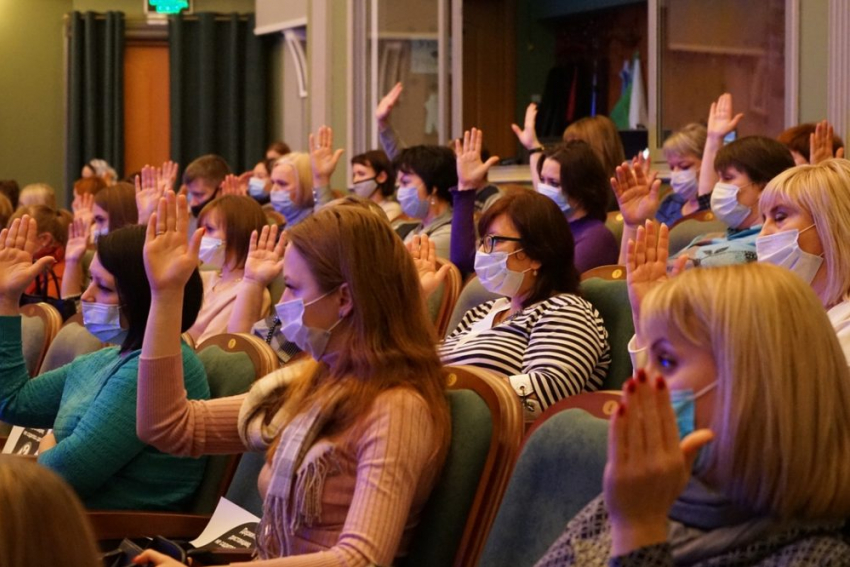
[(541, 334), (709, 445), (91, 402), (369, 405)]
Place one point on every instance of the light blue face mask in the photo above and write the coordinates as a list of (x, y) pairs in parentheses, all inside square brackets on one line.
[(104, 322), (282, 203), (256, 187), (556, 195), (411, 204), (311, 340), (684, 406)]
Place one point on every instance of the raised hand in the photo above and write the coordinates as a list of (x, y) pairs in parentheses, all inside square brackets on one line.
[(471, 171), (636, 193), (385, 107), (83, 206), (720, 118), (151, 184), (167, 175), (528, 134), (78, 239), (232, 185), (323, 158), (424, 253), (265, 258), (648, 467), (17, 270), (170, 255), (820, 144)]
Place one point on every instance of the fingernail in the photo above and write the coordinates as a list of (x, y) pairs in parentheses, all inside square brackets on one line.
[(660, 383), (621, 410), (631, 386), (641, 376)]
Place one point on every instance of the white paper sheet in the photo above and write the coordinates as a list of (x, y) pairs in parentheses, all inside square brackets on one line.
[(230, 527)]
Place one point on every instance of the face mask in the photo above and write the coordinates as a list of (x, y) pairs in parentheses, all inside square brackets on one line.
[(408, 198), (783, 249), (492, 270), (364, 188), (724, 204), (196, 209), (556, 195), (99, 232), (311, 340), (212, 251), (104, 322), (256, 187), (282, 203), (684, 406), (684, 183)]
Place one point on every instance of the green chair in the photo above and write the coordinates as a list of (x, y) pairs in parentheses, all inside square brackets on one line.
[(40, 323), (611, 300), (487, 428), (558, 472), (232, 363), (687, 229), (472, 295)]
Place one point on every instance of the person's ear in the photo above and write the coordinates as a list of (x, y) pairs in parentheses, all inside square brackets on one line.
[(381, 178), (346, 301), (45, 239)]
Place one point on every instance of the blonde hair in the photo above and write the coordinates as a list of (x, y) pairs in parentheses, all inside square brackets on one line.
[(300, 162), (688, 141), (602, 135), (783, 387), (38, 194), (823, 191), (43, 520)]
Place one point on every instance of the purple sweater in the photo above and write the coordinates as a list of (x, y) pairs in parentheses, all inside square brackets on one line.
[(595, 245)]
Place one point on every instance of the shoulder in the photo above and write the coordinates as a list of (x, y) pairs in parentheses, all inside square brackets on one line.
[(399, 416), (566, 303)]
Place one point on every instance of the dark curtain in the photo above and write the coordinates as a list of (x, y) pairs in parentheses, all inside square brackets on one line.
[(95, 93), (219, 89)]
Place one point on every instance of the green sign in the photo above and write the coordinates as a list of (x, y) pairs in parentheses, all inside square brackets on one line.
[(168, 6)]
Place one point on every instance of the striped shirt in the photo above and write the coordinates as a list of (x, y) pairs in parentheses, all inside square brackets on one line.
[(548, 351)]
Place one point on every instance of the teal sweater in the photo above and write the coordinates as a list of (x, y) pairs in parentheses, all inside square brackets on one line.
[(91, 406)]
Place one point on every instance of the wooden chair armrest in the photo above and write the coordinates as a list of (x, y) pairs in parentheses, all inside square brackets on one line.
[(112, 524)]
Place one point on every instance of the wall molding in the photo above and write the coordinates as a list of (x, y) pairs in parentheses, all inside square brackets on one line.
[(838, 78)]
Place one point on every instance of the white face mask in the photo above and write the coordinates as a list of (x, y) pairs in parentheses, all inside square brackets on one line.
[(212, 251), (365, 187), (783, 249), (556, 195), (104, 322), (495, 276), (98, 233), (256, 187), (411, 204), (311, 340), (684, 183), (725, 205)]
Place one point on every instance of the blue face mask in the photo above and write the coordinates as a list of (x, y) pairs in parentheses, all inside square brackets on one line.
[(282, 203), (411, 204), (104, 322), (256, 187), (311, 340), (556, 195), (684, 406)]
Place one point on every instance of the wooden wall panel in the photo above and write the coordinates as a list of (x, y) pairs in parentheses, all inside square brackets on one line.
[(146, 106)]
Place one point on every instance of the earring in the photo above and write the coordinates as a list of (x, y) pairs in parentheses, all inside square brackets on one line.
[(534, 273), (433, 201)]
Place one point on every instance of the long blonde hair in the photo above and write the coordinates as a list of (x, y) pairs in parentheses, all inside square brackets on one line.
[(783, 396), (823, 191), (389, 338), (43, 522)]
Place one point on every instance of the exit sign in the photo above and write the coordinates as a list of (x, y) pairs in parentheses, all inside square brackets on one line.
[(165, 7)]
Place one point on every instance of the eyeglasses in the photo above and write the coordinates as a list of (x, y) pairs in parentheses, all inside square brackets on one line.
[(489, 242)]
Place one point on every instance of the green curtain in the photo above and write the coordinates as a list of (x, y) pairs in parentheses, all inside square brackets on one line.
[(95, 93), (219, 75)]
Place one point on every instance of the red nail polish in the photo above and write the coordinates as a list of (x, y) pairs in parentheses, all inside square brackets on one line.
[(641, 376), (631, 386), (660, 383), (621, 410)]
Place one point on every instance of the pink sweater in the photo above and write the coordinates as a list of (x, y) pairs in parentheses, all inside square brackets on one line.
[(383, 467), (219, 299)]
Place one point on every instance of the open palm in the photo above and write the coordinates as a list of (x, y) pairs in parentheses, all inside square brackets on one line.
[(17, 270), (170, 255), (265, 256), (78, 239), (637, 194), (471, 171)]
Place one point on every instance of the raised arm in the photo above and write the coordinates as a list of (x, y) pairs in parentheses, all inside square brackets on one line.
[(75, 249), (424, 253), (165, 418), (820, 144), (527, 136), (721, 122), (637, 195), (390, 141), (263, 265), (323, 160)]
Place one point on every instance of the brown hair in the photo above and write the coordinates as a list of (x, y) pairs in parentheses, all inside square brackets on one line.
[(93, 185), (279, 147), (583, 177), (239, 216), (6, 210), (210, 168), (48, 220), (602, 135), (10, 188), (796, 139), (44, 522), (545, 236), (350, 245), (759, 157), (380, 163), (119, 201)]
